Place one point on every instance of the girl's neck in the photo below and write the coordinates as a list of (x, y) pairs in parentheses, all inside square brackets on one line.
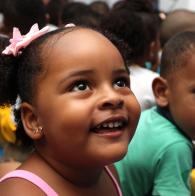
[(81, 177), (69, 180)]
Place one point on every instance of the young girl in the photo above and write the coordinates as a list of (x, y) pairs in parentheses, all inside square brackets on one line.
[(76, 106)]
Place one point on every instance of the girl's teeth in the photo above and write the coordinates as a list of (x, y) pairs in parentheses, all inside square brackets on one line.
[(116, 124), (111, 125), (105, 125)]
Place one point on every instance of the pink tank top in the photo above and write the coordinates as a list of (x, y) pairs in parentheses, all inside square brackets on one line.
[(36, 180)]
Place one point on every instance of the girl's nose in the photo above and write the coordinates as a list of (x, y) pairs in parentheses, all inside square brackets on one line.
[(111, 101)]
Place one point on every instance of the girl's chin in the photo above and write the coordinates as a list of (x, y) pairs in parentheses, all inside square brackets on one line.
[(120, 156), (116, 155)]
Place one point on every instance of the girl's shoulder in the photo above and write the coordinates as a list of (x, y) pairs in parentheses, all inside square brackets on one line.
[(8, 166), (114, 172), (21, 181), (19, 186)]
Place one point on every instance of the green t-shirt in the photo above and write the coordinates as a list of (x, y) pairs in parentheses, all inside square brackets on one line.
[(159, 159)]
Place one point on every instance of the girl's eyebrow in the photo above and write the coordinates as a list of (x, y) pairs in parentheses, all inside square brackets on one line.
[(82, 72), (121, 71), (77, 72), (90, 71)]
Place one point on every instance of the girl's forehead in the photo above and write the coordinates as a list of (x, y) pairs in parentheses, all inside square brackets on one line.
[(80, 42), (83, 36), (82, 47)]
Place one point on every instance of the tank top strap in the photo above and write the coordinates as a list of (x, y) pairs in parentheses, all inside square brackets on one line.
[(113, 180), (36, 180)]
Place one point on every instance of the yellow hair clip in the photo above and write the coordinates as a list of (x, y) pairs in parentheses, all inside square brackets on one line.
[(7, 125)]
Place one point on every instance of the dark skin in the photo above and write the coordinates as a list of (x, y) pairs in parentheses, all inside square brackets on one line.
[(81, 90), (175, 91)]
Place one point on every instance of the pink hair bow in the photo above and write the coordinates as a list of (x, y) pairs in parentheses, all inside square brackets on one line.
[(21, 41)]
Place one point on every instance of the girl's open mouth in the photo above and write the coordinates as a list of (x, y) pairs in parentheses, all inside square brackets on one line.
[(111, 125)]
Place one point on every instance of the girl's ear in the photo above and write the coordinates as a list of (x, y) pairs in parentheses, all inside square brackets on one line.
[(30, 121), (160, 90)]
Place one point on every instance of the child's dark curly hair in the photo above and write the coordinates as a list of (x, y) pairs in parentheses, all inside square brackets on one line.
[(18, 75), (176, 52), (23, 14), (137, 29)]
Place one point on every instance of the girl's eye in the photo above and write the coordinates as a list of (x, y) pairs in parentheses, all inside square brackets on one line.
[(80, 86), (122, 82), (193, 91)]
